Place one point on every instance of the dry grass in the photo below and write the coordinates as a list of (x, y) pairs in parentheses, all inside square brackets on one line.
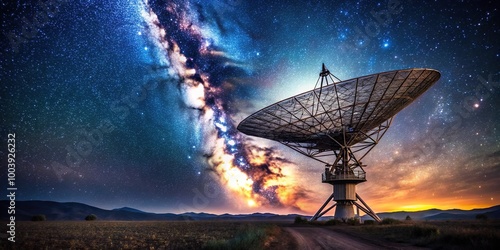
[(141, 235), (256, 237), (436, 234)]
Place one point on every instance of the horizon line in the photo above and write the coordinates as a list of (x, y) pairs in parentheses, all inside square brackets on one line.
[(411, 211)]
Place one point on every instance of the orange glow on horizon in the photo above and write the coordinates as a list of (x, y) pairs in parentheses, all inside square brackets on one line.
[(412, 206)]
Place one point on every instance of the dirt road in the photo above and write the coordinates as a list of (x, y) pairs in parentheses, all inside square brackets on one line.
[(316, 238)]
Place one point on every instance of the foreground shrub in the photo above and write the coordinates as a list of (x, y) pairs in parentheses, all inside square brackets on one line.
[(91, 217), (353, 221), (369, 222), (300, 220), (38, 217), (481, 217), (390, 221), (420, 231)]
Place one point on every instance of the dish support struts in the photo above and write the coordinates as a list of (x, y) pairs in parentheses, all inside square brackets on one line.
[(338, 123), (346, 171)]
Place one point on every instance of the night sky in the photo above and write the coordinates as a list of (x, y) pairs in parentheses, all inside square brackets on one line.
[(136, 103)]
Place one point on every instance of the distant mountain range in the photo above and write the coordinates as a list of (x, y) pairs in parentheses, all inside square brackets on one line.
[(438, 214), (52, 210)]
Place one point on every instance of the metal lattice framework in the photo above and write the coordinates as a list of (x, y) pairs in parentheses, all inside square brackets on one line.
[(354, 113), (338, 123)]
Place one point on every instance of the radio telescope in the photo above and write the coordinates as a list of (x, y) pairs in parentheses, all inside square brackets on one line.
[(338, 123)]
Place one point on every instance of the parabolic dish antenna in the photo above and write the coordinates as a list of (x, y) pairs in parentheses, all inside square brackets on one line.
[(338, 123)]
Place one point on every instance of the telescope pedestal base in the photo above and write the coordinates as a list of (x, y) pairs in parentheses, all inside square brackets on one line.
[(345, 209)]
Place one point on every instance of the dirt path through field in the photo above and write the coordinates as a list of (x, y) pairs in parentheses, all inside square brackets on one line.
[(316, 238)]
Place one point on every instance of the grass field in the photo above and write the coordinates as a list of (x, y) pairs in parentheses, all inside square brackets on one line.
[(148, 235), (475, 234), (466, 234)]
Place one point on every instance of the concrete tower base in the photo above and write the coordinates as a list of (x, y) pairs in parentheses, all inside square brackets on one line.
[(344, 210)]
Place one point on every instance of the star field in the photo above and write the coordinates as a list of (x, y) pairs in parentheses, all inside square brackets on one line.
[(135, 103)]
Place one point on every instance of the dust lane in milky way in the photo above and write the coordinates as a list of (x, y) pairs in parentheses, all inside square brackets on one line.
[(254, 174)]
